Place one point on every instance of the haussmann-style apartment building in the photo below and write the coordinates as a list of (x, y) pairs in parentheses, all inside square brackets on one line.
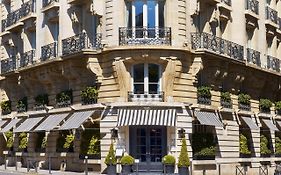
[(141, 74)]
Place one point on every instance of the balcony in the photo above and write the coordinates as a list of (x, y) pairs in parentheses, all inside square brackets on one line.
[(225, 9), (49, 51), (144, 36), (8, 65), (253, 57), (216, 45), (271, 17), (273, 63), (27, 58), (80, 42), (146, 97), (252, 13), (14, 19)]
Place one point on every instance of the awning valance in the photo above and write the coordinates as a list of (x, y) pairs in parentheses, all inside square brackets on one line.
[(159, 117), (10, 125), (249, 121), (76, 120), (270, 125), (28, 124), (208, 118), (51, 122)]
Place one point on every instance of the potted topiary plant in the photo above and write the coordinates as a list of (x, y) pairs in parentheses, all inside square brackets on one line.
[(6, 107), (264, 144), (169, 163), (40, 101), (265, 105), (243, 148), (277, 147), (89, 95), (226, 100), (204, 95), (278, 107), (111, 161), (41, 142), (127, 162), (184, 162), (10, 140), (64, 98), (244, 101), (68, 144), (22, 105), (23, 142)]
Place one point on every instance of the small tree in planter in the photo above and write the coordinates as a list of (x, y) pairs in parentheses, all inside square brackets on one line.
[(265, 151), (244, 149), (265, 105), (90, 144), (64, 98), (277, 146), (127, 162), (40, 101), (226, 99), (89, 95), (10, 140), (184, 162), (22, 105), (169, 163), (6, 107), (111, 161), (204, 95), (68, 141), (23, 142), (65, 142), (244, 101), (278, 107), (41, 142)]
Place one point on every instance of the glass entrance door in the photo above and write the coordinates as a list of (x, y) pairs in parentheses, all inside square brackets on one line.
[(148, 144)]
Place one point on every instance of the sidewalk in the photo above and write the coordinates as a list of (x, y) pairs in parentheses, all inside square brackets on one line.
[(41, 171)]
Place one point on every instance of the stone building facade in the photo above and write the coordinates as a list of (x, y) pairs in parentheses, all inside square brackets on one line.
[(152, 70)]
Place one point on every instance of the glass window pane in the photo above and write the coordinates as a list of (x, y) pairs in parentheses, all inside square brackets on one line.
[(153, 71), (139, 13), (161, 13), (139, 73), (151, 18), (129, 13)]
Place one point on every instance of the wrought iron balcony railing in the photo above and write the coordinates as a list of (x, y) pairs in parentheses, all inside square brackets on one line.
[(273, 63), (253, 57), (217, 45), (27, 58), (244, 107), (271, 14), (79, 42), (279, 23), (145, 36), (49, 51), (227, 2), (26, 9), (3, 25), (226, 104), (8, 65), (132, 97), (253, 6), (48, 2)]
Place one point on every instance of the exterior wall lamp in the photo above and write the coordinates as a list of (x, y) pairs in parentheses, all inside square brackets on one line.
[(114, 133), (181, 133)]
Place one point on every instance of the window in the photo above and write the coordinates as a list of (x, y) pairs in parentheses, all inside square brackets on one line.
[(146, 79)]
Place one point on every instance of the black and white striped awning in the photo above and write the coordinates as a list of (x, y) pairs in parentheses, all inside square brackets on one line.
[(158, 117), (270, 124), (208, 118)]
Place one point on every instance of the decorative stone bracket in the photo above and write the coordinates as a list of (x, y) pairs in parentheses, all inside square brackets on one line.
[(196, 66), (94, 66)]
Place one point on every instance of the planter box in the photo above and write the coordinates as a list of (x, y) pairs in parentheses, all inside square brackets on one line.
[(183, 170), (126, 169), (170, 169), (265, 155), (226, 104), (111, 169), (204, 100), (207, 157), (245, 155), (245, 107), (91, 156)]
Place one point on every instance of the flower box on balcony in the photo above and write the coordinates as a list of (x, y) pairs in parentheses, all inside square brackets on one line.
[(22, 105), (204, 95), (64, 98)]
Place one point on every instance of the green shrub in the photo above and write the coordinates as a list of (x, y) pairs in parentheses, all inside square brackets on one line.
[(204, 91), (264, 145), (127, 160), (169, 160), (244, 148), (23, 140), (64, 96), (278, 105), (277, 145), (226, 97), (244, 99), (183, 158), (41, 99), (201, 141), (6, 106), (90, 142), (10, 139), (208, 151), (68, 141), (89, 93), (22, 104), (111, 158), (41, 141), (265, 104)]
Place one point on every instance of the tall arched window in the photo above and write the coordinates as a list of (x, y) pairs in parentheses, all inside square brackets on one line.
[(146, 78)]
